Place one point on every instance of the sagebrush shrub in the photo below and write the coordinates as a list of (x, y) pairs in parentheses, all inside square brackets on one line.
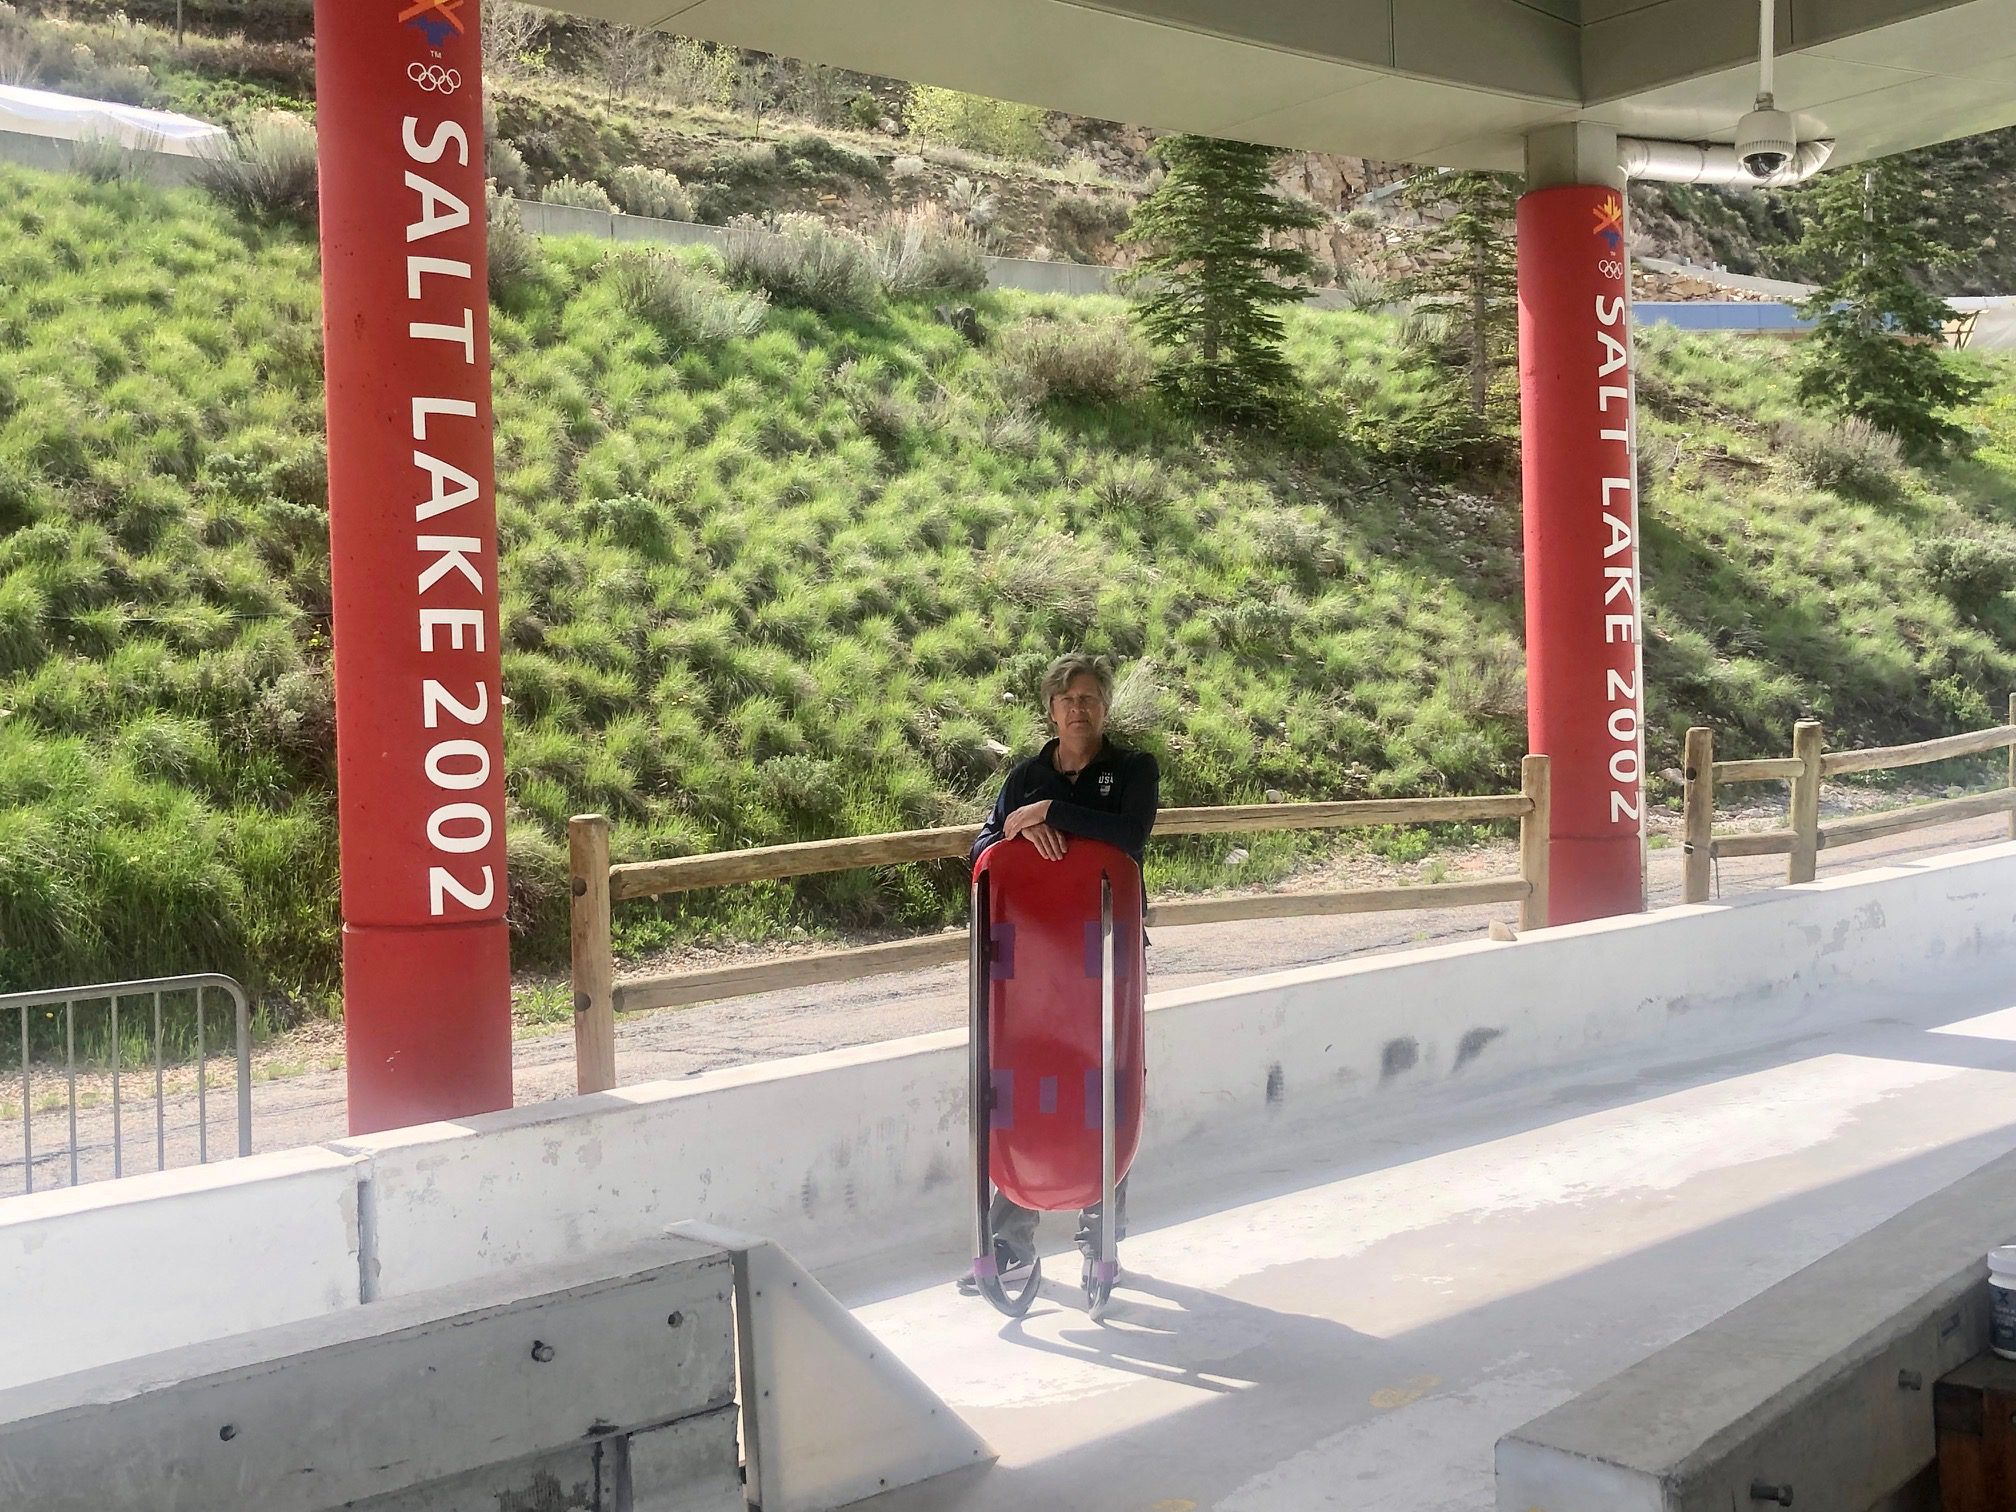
[(1092, 214), (871, 395), (957, 158), (1489, 683), (1140, 703), (1365, 291), (1014, 431), (267, 170), (1051, 573), (1658, 456), (1082, 168), (801, 260), (579, 193), (927, 252), (807, 788), (103, 160), (1084, 224), (1090, 362), (506, 165), (749, 162), (514, 251), (1851, 456), (973, 202), (821, 154), (687, 304), (1974, 570), (643, 190)]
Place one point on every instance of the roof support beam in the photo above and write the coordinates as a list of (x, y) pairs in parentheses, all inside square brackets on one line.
[(1575, 152)]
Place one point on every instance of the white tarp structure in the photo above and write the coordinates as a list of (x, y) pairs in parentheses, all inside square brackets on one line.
[(1994, 329), (37, 112)]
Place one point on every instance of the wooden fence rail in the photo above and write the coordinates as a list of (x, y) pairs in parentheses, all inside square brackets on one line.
[(595, 885), (1804, 837)]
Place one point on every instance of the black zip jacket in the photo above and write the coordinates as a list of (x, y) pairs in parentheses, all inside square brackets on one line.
[(1114, 799)]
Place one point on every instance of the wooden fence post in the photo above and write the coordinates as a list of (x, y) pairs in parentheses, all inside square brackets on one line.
[(1697, 815), (1536, 782), (594, 961), (1809, 736)]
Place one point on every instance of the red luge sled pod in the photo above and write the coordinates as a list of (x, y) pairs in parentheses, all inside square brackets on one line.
[(1058, 1064)]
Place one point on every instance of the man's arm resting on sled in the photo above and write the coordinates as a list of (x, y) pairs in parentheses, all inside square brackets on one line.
[(1127, 829), (996, 827)]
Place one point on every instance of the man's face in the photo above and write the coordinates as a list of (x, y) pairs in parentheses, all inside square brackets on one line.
[(1079, 712)]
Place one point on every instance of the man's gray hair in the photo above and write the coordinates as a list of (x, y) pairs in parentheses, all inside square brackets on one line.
[(1062, 670)]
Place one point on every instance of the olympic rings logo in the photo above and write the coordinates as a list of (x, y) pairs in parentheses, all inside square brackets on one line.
[(433, 78), (1610, 267)]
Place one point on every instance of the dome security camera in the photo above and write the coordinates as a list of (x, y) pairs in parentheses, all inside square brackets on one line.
[(1765, 142)]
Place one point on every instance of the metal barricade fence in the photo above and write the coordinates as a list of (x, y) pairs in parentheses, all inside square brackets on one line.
[(67, 1000)]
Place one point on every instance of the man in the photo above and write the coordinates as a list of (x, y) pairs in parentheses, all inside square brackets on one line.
[(1081, 784)]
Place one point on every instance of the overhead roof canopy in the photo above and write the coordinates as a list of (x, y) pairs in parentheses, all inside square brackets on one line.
[(1451, 82)]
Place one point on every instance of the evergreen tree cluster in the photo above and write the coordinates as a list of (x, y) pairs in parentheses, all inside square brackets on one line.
[(1468, 274), (1877, 348), (1208, 292)]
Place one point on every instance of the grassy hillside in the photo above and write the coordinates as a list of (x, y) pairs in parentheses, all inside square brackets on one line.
[(801, 582)]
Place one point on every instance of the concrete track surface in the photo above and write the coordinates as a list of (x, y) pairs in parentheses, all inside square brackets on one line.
[(1352, 1317)]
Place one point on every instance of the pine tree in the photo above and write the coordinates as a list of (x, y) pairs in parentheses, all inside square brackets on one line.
[(1876, 350), (1207, 291), (1468, 270)]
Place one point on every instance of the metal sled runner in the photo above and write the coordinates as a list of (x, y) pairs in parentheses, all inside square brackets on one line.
[(1056, 1041)]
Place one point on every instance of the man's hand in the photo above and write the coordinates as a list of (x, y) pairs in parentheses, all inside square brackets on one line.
[(1024, 817), (1049, 842)]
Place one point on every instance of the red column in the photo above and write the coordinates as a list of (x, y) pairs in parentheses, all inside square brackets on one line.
[(1585, 674), (413, 548)]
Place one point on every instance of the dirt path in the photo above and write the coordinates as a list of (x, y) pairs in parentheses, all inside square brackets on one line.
[(298, 1109)]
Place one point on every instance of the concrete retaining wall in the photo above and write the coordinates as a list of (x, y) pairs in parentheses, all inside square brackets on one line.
[(828, 1155), (859, 1151), (841, 1155), (1031, 275), (56, 155), (1024, 273), (95, 1274), (1299, 1042), (507, 1393), (1820, 1388)]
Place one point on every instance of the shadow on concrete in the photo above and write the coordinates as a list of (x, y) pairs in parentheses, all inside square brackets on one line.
[(1401, 1124), (1311, 1414), (1269, 1405)]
